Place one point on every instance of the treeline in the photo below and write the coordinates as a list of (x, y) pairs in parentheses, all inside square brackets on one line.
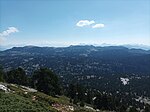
[(43, 80), (46, 81)]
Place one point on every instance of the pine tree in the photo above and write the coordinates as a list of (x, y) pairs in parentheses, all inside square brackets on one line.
[(46, 81), (1, 74), (17, 76)]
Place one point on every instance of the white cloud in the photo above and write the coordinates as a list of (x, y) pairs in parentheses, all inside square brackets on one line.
[(7, 32), (82, 23), (98, 26)]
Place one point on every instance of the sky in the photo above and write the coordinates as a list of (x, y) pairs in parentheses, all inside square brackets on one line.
[(72, 22)]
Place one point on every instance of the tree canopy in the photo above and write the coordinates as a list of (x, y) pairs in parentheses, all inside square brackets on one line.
[(17, 76), (46, 81), (1, 74)]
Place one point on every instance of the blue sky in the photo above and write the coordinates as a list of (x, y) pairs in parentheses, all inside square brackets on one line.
[(70, 22)]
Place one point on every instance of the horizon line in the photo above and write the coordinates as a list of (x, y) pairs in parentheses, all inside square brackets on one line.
[(136, 46)]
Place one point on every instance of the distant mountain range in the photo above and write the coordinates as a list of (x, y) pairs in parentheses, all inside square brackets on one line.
[(78, 60), (130, 46)]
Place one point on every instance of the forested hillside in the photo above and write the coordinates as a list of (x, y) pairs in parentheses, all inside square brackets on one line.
[(80, 96)]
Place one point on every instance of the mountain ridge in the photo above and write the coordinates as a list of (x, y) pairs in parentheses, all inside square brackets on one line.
[(118, 59), (130, 46)]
